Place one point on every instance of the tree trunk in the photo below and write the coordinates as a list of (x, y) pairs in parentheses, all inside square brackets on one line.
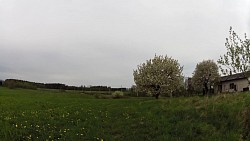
[(157, 96)]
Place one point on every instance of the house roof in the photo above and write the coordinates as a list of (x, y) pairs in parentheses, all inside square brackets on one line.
[(233, 77)]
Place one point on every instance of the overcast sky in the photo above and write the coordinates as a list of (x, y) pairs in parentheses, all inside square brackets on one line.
[(101, 42)]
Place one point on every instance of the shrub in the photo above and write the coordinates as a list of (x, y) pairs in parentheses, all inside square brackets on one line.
[(117, 94)]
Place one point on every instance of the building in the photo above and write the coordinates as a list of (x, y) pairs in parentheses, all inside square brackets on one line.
[(234, 83)]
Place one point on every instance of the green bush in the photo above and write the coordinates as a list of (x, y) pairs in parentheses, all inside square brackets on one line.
[(117, 94)]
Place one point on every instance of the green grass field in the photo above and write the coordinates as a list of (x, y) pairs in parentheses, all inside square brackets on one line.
[(71, 116)]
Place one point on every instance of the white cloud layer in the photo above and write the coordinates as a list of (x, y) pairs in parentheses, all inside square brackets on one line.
[(95, 42)]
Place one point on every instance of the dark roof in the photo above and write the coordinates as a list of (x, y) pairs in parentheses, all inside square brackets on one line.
[(233, 77)]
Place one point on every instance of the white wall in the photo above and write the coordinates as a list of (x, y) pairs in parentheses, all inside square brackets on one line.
[(240, 84)]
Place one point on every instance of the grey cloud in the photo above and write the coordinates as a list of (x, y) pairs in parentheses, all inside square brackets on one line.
[(95, 42)]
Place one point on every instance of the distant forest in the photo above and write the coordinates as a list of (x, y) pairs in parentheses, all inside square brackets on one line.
[(15, 83)]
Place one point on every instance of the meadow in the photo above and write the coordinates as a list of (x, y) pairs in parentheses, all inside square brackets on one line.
[(50, 115)]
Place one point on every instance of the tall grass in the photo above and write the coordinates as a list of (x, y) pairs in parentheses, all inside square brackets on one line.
[(54, 115)]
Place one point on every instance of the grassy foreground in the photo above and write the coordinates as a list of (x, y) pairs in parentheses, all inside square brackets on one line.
[(70, 116)]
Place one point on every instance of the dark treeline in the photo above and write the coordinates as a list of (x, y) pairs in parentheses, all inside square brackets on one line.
[(1, 82), (14, 83)]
